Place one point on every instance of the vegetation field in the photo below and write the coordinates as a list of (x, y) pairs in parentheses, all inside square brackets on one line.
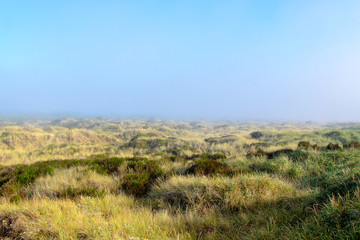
[(151, 179)]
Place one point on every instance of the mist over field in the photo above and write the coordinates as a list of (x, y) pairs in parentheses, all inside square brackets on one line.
[(242, 60)]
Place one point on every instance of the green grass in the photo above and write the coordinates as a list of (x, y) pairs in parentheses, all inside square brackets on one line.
[(184, 181)]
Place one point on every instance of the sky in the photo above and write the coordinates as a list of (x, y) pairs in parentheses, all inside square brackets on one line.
[(182, 59)]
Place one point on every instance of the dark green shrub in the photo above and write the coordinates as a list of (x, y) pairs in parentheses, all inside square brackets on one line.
[(144, 173), (280, 152), (107, 166), (151, 168), (136, 184), (215, 156), (256, 135), (209, 167), (207, 156), (333, 147)]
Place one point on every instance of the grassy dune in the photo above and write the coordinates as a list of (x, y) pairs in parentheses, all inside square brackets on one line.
[(164, 180)]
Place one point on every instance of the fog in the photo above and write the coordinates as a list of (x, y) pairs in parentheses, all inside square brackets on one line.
[(239, 60)]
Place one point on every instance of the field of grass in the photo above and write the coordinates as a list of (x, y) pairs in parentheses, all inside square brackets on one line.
[(97, 179)]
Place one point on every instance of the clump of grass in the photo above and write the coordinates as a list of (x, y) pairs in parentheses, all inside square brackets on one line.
[(13, 225), (72, 182), (338, 219), (186, 192), (281, 165), (110, 217), (227, 193), (255, 190)]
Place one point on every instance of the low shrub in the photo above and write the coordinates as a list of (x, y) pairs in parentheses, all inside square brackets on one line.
[(333, 147), (144, 166), (207, 156), (256, 135), (107, 166), (215, 156), (136, 184), (209, 167), (141, 175)]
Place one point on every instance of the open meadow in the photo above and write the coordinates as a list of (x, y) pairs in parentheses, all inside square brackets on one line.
[(142, 179)]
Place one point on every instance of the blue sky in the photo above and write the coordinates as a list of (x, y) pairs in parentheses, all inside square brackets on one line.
[(272, 60)]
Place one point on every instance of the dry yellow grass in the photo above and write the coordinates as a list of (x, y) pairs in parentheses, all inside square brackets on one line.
[(241, 191), (258, 198), (111, 217), (75, 178), (27, 144)]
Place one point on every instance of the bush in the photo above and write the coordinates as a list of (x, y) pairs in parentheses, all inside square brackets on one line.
[(136, 184), (107, 166), (333, 147), (207, 156), (209, 167), (142, 173), (151, 168), (215, 156), (256, 135)]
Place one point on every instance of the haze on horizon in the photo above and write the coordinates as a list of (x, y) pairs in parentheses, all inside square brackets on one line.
[(291, 60)]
